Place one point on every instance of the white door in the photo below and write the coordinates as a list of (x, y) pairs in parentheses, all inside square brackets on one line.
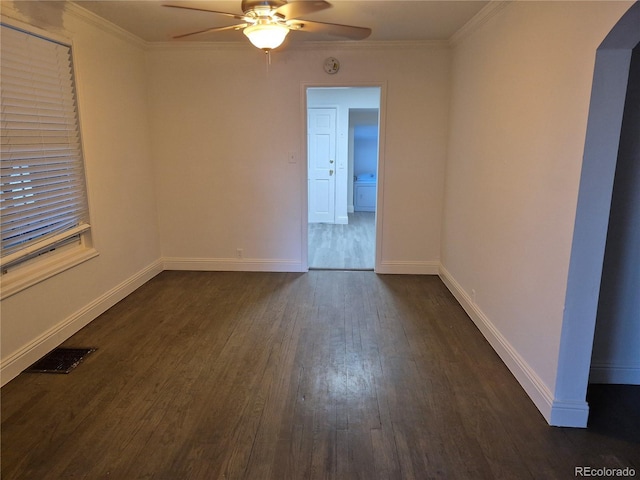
[(321, 130)]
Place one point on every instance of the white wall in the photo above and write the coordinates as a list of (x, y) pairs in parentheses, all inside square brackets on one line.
[(520, 99), (111, 82), (365, 149), (222, 129), (616, 347)]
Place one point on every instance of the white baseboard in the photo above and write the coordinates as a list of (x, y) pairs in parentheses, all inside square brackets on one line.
[(568, 414), (615, 374), (11, 366), (261, 265), (532, 384), (408, 268), (231, 265)]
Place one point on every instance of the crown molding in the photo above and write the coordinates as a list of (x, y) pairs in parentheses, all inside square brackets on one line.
[(483, 16), (74, 10), (106, 26), (305, 46), (191, 46), (81, 13), (373, 45)]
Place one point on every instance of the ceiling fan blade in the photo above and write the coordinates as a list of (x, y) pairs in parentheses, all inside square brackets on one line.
[(210, 30), (347, 31), (302, 7), (200, 9)]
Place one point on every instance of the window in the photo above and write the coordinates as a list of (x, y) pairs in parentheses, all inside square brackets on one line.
[(43, 202)]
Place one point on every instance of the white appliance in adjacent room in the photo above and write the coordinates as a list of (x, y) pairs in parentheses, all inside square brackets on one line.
[(364, 192)]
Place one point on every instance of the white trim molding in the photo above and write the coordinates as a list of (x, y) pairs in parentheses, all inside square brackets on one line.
[(46, 267), (408, 267), (532, 384), (16, 362), (614, 373), (243, 44), (232, 265), (483, 16), (568, 414), (77, 11), (105, 25)]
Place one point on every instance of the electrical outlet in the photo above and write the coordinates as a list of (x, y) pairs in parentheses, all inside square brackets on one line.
[(239, 253)]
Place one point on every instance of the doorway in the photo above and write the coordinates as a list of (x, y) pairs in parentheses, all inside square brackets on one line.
[(614, 359), (343, 145), (602, 143)]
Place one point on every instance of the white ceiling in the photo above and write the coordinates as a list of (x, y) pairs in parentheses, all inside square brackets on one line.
[(391, 20)]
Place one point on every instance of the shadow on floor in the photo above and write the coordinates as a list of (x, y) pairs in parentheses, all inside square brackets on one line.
[(614, 411)]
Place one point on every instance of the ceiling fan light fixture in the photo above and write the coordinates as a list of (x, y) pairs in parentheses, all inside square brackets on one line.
[(266, 36)]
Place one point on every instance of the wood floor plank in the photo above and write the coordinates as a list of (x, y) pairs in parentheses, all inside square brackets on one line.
[(345, 375), (348, 246)]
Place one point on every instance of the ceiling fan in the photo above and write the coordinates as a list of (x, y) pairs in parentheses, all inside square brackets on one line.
[(266, 23)]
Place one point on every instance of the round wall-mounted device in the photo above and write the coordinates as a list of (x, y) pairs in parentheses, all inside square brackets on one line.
[(331, 65)]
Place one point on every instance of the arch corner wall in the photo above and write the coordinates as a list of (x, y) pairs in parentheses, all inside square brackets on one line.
[(608, 95)]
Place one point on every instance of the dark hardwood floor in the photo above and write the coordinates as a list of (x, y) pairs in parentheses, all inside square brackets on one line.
[(329, 374)]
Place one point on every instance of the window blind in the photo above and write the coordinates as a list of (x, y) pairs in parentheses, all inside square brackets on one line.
[(42, 182)]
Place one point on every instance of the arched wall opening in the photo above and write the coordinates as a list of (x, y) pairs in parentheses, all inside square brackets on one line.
[(606, 110)]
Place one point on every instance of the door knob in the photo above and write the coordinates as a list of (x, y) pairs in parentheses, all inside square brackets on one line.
[(330, 172), (330, 161)]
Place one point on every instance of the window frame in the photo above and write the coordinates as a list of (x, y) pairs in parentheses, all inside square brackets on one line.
[(42, 260)]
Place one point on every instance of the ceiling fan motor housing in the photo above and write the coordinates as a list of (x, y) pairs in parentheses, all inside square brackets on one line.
[(273, 19), (250, 5)]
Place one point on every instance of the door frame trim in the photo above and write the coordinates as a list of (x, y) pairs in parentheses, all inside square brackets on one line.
[(304, 200)]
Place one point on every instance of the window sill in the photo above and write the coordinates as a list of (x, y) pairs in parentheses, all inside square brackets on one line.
[(29, 275)]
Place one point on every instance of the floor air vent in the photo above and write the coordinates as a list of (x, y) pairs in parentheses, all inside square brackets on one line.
[(60, 360)]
